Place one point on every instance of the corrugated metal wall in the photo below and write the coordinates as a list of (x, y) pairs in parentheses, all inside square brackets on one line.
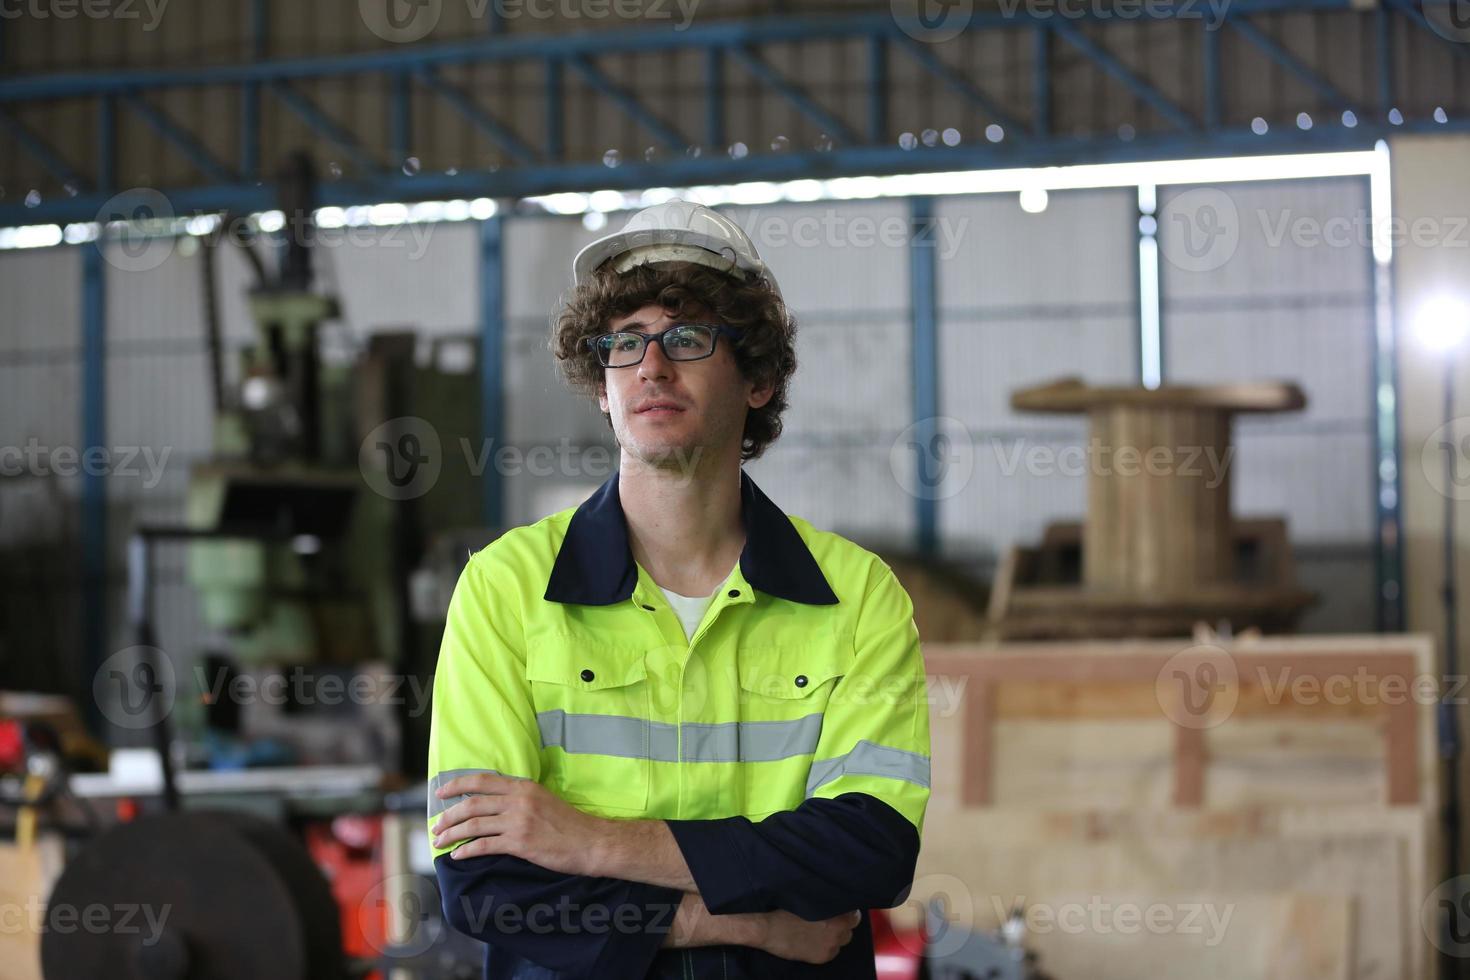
[(40, 416), (1022, 299), (1290, 299), (1031, 298), (844, 267)]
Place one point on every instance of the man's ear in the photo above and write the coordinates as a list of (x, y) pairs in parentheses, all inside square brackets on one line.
[(759, 395)]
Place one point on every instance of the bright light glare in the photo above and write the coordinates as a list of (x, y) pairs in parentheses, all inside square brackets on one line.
[(1033, 199), (1442, 322)]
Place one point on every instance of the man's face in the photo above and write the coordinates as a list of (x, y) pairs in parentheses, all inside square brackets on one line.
[(664, 412)]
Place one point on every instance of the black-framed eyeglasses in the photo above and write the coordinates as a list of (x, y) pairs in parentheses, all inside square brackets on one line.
[(681, 342)]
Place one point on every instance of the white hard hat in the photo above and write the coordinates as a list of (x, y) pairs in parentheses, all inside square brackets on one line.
[(675, 231)]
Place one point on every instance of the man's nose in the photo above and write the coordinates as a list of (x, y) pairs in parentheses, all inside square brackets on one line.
[(655, 364)]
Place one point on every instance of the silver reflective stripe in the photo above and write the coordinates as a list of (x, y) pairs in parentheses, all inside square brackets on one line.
[(751, 741), (438, 806), (616, 735), (868, 759), (635, 738)]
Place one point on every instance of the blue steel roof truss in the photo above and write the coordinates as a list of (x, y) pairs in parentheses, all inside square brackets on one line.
[(378, 170)]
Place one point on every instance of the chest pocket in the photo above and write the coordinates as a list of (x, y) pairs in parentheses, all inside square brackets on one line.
[(784, 692), (773, 675), (593, 712)]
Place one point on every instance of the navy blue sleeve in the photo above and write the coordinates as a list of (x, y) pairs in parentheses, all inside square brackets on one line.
[(826, 857), (579, 925)]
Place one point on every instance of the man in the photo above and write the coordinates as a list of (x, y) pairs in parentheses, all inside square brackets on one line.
[(676, 732)]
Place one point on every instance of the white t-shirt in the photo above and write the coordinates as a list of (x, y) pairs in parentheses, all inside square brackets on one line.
[(689, 609)]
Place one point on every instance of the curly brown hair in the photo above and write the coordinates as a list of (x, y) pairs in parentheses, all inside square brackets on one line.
[(765, 350)]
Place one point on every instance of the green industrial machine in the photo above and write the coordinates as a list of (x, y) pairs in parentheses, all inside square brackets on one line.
[(310, 542)]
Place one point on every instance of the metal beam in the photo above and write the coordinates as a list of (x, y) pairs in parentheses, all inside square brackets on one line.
[(486, 50), (1210, 68), (94, 479), (667, 134), (719, 168), (250, 92), (1416, 17), (555, 118), (714, 95), (492, 362), (400, 119), (107, 142), (324, 126), (42, 151), (925, 56), (1388, 481), (1274, 50), (924, 366), (840, 131), (171, 132), (1104, 60), (498, 132), (1032, 135), (1041, 80), (877, 90)]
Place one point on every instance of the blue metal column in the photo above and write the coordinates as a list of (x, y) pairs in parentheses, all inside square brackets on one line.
[(94, 420), (555, 137), (1210, 59), (94, 480), (1388, 548), (714, 99), (492, 361), (877, 89), (250, 95), (400, 122), (1041, 72), (923, 301)]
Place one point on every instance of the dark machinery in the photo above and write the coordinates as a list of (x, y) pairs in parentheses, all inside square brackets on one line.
[(223, 896)]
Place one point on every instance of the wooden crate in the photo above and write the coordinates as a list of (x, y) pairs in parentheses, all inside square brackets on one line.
[(1068, 769)]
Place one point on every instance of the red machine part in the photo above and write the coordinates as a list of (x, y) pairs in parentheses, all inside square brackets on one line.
[(899, 952), (12, 747), (349, 851)]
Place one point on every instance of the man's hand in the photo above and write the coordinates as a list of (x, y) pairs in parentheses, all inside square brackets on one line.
[(793, 938), (519, 817), (779, 933)]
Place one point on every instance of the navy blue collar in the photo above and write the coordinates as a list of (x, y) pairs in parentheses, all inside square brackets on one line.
[(595, 565)]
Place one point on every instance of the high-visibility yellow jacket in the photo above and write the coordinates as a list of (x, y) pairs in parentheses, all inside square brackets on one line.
[(563, 662)]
